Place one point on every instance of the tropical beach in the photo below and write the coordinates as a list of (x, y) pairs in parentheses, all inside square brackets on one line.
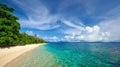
[(69, 55), (8, 54), (59, 33)]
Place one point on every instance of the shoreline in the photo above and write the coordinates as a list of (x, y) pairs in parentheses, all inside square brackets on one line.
[(9, 54)]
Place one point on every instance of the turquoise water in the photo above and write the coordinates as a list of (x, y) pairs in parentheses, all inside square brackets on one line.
[(75, 55)]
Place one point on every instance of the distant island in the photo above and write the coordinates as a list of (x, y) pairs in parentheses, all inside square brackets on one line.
[(9, 30)]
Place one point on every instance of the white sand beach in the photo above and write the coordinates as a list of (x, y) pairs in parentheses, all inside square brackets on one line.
[(8, 54)]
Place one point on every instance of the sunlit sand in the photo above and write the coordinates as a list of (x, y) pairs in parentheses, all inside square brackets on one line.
[(8, 54)]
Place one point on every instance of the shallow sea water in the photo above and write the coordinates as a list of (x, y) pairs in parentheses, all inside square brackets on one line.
[(73, 55)]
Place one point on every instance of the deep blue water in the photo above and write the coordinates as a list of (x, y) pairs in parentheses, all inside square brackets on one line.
[(75, 55)]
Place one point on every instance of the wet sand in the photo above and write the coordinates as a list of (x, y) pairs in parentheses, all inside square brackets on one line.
[(9, 54)]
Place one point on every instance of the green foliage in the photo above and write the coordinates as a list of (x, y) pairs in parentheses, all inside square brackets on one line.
[(5, 7), (27, 39), (9, 29)]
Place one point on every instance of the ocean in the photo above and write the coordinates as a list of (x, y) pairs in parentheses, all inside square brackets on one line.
[(72, 54)]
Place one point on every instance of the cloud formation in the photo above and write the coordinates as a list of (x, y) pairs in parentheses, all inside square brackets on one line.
[(31, 33), (52, 39), (113, 27), (37, 15), (90, 34), (94, 20)]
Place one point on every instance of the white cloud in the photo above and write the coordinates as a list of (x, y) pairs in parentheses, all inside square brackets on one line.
[(37, 14), (71, 24), (69, 31), (113, 27), (52, 39), (31, 33), (89, 29), (108, 30), (40, 18), (70, 37), (90, 34), (72, 28)]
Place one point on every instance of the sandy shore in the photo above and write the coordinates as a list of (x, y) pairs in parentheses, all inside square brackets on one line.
[(8, 54)]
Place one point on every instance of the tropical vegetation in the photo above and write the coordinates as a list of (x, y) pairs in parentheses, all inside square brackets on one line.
[(9, 29)]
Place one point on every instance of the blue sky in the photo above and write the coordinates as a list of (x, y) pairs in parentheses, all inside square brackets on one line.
[(68, 20)]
